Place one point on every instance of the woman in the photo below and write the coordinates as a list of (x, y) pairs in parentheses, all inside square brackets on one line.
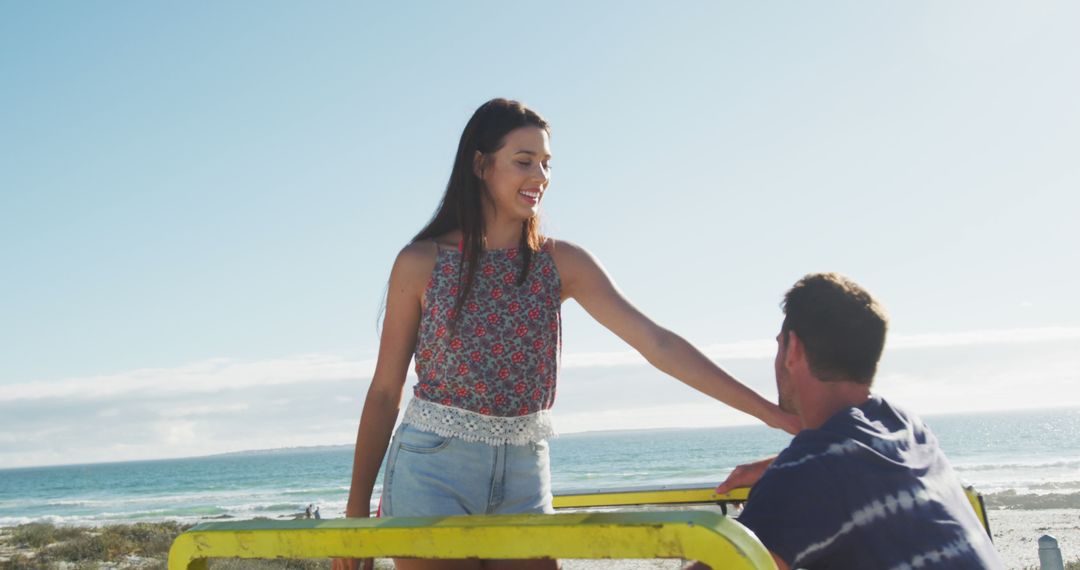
[(475, 299)]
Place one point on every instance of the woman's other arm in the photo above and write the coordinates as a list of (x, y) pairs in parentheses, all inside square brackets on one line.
[(408, 279)]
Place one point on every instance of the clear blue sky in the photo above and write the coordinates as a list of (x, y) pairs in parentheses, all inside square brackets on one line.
[(199, 203)]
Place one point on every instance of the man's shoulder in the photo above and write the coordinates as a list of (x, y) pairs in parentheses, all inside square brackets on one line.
[(818, 457), (811, 446), (806, 464)]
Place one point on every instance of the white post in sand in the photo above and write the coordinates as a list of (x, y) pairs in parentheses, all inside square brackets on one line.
[(1049, 554)]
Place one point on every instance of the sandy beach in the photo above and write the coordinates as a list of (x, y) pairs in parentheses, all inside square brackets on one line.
[(1016, 533)]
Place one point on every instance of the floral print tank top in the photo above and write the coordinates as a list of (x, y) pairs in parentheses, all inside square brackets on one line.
[(490, 376)]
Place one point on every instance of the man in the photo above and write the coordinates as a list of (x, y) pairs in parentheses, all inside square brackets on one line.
[(864, 484)]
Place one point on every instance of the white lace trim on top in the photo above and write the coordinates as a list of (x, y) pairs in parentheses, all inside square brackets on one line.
[(448, 421)]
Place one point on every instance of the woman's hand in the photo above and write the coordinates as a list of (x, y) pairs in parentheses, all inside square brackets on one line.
[(352, 564), (785, 421)]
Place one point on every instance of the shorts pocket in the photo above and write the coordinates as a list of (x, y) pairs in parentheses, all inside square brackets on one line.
[(417, 441)]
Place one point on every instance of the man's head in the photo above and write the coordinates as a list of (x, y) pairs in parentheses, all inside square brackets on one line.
[(836, 328)]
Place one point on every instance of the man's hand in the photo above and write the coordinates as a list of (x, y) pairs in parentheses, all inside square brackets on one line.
[(745, 475)]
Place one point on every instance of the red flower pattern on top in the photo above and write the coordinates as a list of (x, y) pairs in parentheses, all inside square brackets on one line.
[(500, 355)]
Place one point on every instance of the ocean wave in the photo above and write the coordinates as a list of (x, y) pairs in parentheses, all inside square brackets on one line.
[(292, 507), (1056, 485), (315, 491), (74, 503), (201, 497), (59, 520), (1012, 499), (1066, 463), (164, 513)]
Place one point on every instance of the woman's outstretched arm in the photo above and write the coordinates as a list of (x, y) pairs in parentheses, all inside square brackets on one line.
[(585, 281)]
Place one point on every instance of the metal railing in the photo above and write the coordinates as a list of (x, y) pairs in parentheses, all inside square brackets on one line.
[(698, 535), (710, 537), (698, 494)]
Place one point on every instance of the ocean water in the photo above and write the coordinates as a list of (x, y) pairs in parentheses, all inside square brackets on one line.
[(1029, 456)]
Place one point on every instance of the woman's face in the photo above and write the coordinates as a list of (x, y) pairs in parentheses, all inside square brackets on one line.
[(517, 174)]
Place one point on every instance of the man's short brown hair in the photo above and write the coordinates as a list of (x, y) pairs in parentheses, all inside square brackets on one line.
[(841, 326)]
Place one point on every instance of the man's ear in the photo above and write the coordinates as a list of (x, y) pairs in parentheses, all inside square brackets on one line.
[(795, 355), (479, 163)]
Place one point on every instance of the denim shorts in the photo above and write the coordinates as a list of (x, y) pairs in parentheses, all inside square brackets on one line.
[(432, 475)]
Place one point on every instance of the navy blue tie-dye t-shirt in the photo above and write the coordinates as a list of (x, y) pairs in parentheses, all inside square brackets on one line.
[(868, 489)]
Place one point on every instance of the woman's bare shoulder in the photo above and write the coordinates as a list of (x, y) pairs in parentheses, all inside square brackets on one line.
[(568, 253), (415, 262), (575, 265)]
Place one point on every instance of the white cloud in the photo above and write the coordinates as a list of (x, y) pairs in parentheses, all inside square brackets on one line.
[(204, 410), (766, 348), (220, 375), (703, 413), (177, 433), (983, 337), (211, 376), (993, 380), (225, 405)]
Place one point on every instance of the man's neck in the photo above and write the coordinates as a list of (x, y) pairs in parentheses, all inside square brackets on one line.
[(828, 398)]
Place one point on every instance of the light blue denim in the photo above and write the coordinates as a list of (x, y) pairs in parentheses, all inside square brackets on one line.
[(432, 475)]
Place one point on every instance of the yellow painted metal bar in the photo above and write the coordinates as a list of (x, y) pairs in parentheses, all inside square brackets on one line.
[(698, 535), (698, 495), (976, 500), (673, 496)]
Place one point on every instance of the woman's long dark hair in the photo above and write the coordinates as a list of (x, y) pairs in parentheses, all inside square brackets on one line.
[(461, 207)]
